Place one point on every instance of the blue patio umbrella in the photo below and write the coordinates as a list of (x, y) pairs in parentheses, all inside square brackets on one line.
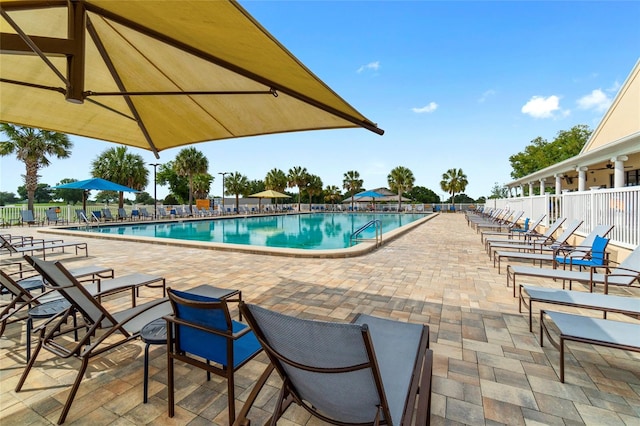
[(371, 195), (97, 184)]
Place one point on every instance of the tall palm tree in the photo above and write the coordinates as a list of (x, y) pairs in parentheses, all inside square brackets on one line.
[(190, 162), (454, 181), (275, 179), (120, 166), (297, 177), (32, 147), (202, 185), (314, 187), (236, 184), (400, 180), (352, 184), (332, 194)]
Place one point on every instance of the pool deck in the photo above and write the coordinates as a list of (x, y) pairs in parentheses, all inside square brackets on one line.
[(488, 368)]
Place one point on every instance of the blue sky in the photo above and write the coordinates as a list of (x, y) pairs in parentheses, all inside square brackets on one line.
[(454, 84)]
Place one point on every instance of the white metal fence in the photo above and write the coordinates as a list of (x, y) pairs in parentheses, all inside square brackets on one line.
[(619, 207)]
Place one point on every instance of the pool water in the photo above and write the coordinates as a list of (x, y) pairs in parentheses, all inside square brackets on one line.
[(317, 231)]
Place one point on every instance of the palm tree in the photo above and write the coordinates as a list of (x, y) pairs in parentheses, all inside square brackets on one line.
[(32, 146), (454, 181), (236, 184), (297, 178), (400, 180), (314, 187), (352, 184), (276, 180), (120, 166), (190, 162), (202, 185), (332, 194)]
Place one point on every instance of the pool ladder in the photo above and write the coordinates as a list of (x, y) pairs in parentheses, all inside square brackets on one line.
[(356, 236)]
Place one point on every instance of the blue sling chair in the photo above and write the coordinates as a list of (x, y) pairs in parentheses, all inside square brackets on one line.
[(201, 333)]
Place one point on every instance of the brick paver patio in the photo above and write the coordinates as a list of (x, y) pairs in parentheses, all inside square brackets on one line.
[(488, 368)]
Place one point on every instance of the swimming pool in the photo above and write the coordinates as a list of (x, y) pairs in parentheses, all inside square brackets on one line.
[(316, 231)]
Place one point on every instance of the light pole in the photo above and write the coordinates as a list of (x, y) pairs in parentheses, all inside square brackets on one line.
[(223, 174), (155, 195)]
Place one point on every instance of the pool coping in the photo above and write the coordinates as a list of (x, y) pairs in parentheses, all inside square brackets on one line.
[(357, 250)]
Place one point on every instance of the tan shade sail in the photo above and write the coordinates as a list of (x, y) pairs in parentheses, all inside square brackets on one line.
[(156, 74), (269, 193)]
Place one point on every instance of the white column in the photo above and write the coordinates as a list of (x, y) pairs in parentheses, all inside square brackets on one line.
[(521, 187), (530, 189), (618, 170), (582, 177), (542, 190), (558, 183)]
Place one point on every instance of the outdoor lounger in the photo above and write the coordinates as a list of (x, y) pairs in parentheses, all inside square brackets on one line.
[(537, 244), (624, 274), (546, 238), (577, 299), (590, 252), (370, 371), (509, 223), (42, 246), (527, 231), (589, 330), (103, 330)]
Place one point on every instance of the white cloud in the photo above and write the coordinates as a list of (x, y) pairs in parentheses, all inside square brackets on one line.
[(596, 100), (541, 107), (426, 109), (370, 66), (489, 93)]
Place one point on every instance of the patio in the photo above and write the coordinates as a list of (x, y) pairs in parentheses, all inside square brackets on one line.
[(488, 367)]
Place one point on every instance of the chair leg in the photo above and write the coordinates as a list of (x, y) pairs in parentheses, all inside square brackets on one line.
[(32, 361), (146, 374), (170, 396), (29, 325), (74, 390), (232, 396)]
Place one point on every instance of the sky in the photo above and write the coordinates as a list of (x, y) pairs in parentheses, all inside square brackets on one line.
[(454, 84)]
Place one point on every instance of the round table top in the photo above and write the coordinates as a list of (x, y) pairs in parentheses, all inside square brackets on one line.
[(154, 333), (49, 309)]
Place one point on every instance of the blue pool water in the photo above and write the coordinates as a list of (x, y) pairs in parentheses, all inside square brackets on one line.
[(316, 231)]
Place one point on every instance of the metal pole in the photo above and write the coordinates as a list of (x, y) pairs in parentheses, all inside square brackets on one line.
[(223, 174), (155, 194)]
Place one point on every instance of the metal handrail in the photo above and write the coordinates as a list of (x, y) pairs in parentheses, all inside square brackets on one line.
[(372, 223)]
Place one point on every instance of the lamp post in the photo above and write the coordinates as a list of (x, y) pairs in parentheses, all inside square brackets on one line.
[(223, 174), (155, 195)]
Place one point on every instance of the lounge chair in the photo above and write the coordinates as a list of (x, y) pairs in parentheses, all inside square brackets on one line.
[(161, 213), (144, 213), (592, 331), (577, 299), (623, 274), (28, 218), (204, 331), (546, 237), (107, 216), (122, 214), (539, 244), (528, 230), (52, 217), (42, 246), (510, 222), (44, 305), (562, 253), (104, 330), (371, 371)]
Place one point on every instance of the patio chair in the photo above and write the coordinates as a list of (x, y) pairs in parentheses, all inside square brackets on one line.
[(122, 214), (104, 330), (144, 213), (201, 328), (39, 245), (536, 243), (622, 274), (528, 231), (107, 216), (52, 217), (561, 252), (28, 218), (510, 222), (368, 372)]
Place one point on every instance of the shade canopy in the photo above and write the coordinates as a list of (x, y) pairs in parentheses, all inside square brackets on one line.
[(269, 193), (156, 74), (97, 184), (368, 194)]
